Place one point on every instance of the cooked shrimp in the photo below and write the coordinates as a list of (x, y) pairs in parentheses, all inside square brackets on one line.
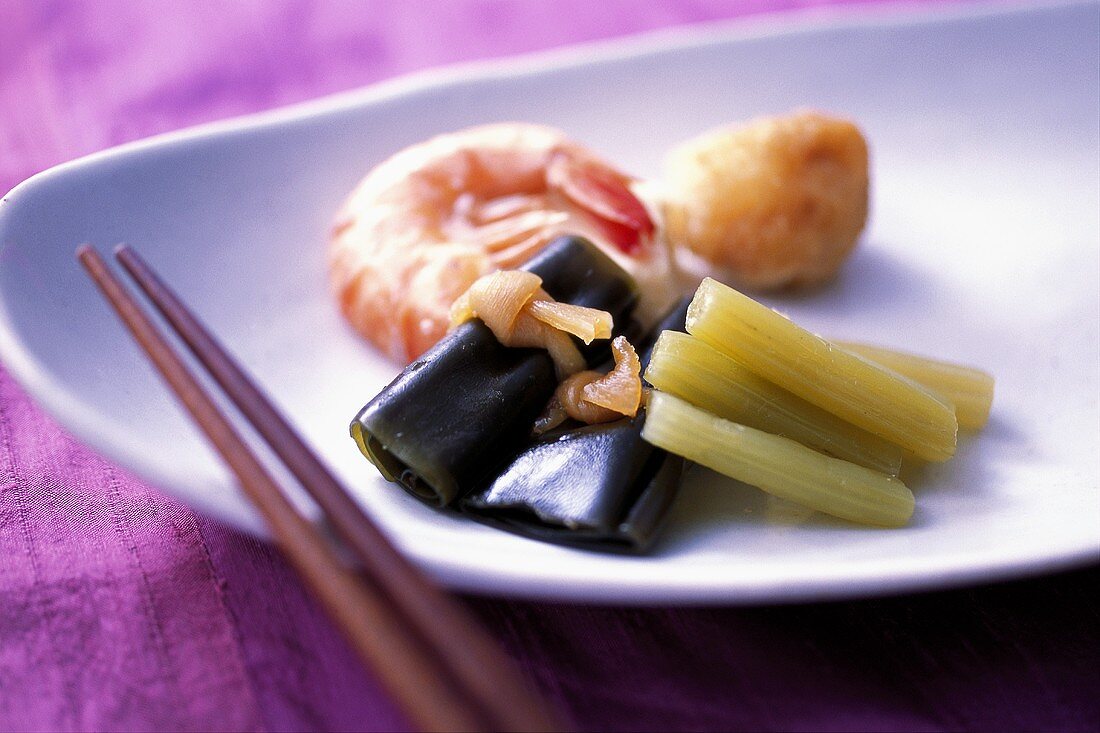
[(432, 219), (778, 201)]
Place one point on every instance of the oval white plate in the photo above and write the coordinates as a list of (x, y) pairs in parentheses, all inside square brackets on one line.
[(983, 248)]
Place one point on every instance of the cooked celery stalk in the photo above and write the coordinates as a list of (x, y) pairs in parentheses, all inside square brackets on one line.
[(777, 465), (684, 366), (970, 390), (859, 391)]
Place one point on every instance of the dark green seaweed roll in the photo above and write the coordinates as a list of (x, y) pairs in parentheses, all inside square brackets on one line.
[(455, 417), (596, 486)]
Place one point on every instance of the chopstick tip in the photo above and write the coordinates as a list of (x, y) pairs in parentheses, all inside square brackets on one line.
[(87, 255), (130, 259)]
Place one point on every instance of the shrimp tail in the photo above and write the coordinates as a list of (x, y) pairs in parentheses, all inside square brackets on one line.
[(605, 195)]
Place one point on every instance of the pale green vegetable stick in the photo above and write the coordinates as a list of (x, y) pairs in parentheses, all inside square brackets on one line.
[(688, 368), (859, 391), (970, 390), (777, 465)]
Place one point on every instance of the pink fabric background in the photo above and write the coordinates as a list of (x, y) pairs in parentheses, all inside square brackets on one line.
[(121, 609)]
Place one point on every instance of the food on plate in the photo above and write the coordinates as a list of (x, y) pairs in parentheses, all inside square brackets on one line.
[(595, 397), (527, 408), (422, 226), (506, 300), (620, 390), (867, 395), (968, 389), (775, 202), (688, 368), (595, 486), (803, 419), (435, 450), (778, 465), (757, 346), (454, 417)]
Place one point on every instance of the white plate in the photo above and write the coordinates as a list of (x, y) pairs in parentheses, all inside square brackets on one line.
[(983, 248)]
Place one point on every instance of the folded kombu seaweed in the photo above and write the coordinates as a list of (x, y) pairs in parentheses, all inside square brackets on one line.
[(596, 486), (455, 417)]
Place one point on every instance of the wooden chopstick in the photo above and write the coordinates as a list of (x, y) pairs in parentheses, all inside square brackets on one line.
[(467, 650), (441, 667)]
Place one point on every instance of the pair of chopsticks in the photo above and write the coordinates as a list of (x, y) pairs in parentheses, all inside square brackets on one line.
[(443, 670)]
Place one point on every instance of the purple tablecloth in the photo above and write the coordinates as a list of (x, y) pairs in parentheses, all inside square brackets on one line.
[(122, 609)]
